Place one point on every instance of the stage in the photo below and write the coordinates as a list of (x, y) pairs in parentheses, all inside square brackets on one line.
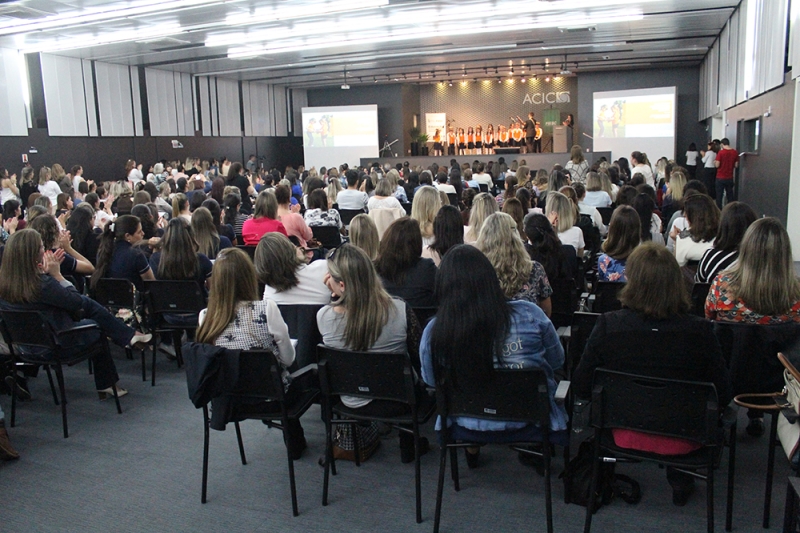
[(534, 161)]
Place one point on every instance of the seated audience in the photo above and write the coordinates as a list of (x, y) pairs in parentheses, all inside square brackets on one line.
[(384, 196), (264, 219), (85, 240), (595, 195), (364, 234), (209, 241), (288, 278), (424, 209), (180, 208), (584, 209), (735, 219), (649, 221), (319, 212), (624, 235), (702, 216), (73, 263), (447, 232), (290, 217), (403, 270), (351, 198), (560, 211), (179, 258), (483, 205), (559, 261)]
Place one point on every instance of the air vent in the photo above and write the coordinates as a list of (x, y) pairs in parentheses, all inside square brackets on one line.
[(581, 29), (24, 13), (163, 41)]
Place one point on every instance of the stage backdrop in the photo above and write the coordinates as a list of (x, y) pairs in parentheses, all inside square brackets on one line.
[(489, 102)]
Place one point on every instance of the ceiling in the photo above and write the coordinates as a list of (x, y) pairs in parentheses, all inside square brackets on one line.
[(312, 43)]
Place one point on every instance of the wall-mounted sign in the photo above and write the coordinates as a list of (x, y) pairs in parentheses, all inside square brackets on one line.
[(554, 97)]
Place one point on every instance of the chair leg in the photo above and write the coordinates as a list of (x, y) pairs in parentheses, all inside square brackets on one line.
[(14, 396), (52, 386), (205, 453), (144, 364), (129, 353), (731, 476), (356, 444), (292, 485), (710, 496), (790, 510), (239, 440), (328, 460), (176, 343), (155, 351), (773, 437), (454, 468), (417, 483), (60, 378), (91, 368), (587, 525), (440, 487), (548, 496), (116, 398)]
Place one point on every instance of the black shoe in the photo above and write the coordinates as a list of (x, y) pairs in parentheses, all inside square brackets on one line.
[(407, 454), (756, 427), (20, 384), (681, 496), (296, 449), (472, 458)]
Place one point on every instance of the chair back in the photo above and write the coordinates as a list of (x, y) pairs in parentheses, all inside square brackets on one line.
[(699, 294), (483, 187), (349, 214), (302, 323), (329, 236), (27, 329), (174, 297), (453, 197), (114, 293), (647, 404), (259, 376), (424, 314), (406, 207), (605, 214), (369, 375), (751, 353), (564, 301), (606, 298), (511, 395), (249, 250), (581, 328)]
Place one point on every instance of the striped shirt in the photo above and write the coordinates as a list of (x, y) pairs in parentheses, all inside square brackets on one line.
[(713, 262)]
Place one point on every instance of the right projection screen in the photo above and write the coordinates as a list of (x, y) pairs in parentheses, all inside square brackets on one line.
[(635, 120)]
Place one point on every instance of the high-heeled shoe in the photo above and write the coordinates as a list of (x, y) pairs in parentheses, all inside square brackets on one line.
[(140, 341), (105, 394)]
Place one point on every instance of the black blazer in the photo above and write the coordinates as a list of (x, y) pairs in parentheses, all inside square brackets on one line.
[(682, 347)]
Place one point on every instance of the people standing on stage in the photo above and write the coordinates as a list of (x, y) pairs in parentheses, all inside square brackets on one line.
[(462, 142), (451, 141), (517, 134), (570, 121), (727, 160), (437, 143), (471, 140), (530, 132), (537, 138), (502, 137), (489, 141), (479, 140)]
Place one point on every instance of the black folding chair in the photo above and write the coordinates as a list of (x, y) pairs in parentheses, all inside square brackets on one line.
[(606, 297), (115, 294), (699, 295), (349, 214), (576, 336), (27, 333), (647, 404), (374, 376), (483, 187), (172, 298), (302, 323), (512, 395), (259, 386), (453, 198), (424, 314), (407, 207), (564, 301), (605, 214), (249, 250), (328, 236)]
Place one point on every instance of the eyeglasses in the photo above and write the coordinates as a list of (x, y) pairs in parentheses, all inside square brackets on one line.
[(331, 254)]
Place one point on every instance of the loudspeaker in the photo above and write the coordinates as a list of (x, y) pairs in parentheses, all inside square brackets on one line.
[(507, 150)]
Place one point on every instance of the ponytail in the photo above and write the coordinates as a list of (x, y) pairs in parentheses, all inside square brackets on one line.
[(115, 230), (179, 203)]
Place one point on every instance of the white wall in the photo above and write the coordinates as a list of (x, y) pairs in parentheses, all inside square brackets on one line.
[(65, 96), (13, 108)]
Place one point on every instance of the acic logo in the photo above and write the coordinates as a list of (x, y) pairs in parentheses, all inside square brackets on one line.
[(558, 97)]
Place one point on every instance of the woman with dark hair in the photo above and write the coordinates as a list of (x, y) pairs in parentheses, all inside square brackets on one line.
[(224, 230), (545, 248), (13, 210), (64, 204), (149, 225), (118, 256), (649, 221), (264, 219), (448, 231), (654, 335), (735, 219), (179, 258), (702, 216), (476, 330), (363, 317), (196, 199), (236, 178), (290, 217), (31, 280), (288, 279), (403, 270), (624, 235), (624, 169), (73, 263), (510, 191), (81, 228), (513, 208), (232, 217), (319, 212), (217, 190)]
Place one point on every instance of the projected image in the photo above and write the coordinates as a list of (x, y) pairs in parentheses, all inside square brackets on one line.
[(634, 116), (336, 129)]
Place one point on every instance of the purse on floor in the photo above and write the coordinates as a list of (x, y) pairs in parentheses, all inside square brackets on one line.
[(344, 444), (788, 426)]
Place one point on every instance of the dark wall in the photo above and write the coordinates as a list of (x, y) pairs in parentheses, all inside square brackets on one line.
[(388, 98), (763, 179), (411, 107), (104, 158), (685, 80)]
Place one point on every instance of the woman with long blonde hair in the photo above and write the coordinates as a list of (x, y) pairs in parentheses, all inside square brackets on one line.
[(520, 278), (424, 209), (364, 235), (237, 319), (560, 211), (483, 205)]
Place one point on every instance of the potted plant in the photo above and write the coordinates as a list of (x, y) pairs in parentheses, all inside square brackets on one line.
[(414, 133), (423, 143)]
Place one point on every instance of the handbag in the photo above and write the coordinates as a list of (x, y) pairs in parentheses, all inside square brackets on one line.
[(788, 428), (344, 444)]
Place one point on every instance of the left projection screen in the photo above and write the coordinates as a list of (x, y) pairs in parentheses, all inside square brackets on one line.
[(336, 135)]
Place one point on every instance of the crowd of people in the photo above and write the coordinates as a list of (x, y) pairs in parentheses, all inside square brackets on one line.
[(483, 245)]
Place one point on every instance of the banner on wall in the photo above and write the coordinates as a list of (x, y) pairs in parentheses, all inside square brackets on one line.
[(435, 121), (551, 118)]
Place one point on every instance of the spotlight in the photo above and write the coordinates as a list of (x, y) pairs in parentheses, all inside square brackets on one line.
[(523, 80), (499, 80), (450, 84), (547, 79)]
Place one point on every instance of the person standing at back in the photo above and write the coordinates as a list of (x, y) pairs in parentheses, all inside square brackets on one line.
[(727, 160)]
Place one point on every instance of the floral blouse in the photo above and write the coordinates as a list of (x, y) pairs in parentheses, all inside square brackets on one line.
[(720, 305), (537, 288), (318, 217), (610, 269)]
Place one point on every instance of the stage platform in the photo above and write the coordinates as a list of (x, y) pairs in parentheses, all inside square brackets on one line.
[(534, 161)]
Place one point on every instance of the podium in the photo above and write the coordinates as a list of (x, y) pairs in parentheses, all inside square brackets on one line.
[(560, 142)]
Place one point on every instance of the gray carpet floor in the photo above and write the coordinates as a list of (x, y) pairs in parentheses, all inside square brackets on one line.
[(141, 471)]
